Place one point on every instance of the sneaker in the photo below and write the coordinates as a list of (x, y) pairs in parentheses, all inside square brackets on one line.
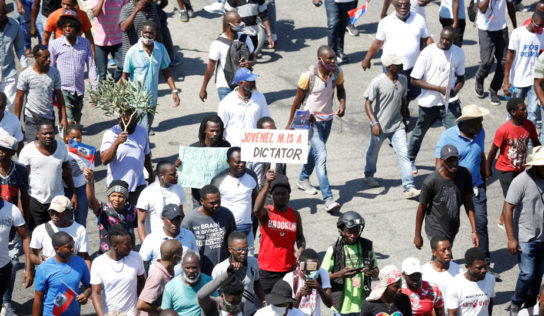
[(493, 272), (414, 168), (494, 98), (306, 187), (111, 62), (216, 7), (191, 13), (7, 310), (371, 182), (189, 8), (514, 310), (183, 16), (412, 193), (342, 58), (331, 205), (352, 30), (479, 89)]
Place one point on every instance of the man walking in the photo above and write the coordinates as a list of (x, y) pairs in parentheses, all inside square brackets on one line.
[(388, 119), (337, 22), (315, 90)]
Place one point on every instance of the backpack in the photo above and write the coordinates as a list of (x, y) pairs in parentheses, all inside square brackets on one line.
[(237, 52), (472, 10), (312, 74)]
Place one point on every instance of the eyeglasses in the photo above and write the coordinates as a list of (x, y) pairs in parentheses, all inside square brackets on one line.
[(403, 5), (240, 250)]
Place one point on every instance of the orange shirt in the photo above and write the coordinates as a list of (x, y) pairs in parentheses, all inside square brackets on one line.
[(51, 24)]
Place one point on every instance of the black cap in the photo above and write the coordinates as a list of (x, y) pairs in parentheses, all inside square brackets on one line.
[(281, 181), (448, 151), (171, 211), (281, 293)]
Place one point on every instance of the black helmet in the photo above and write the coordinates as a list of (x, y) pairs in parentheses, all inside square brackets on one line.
[(350, 219)]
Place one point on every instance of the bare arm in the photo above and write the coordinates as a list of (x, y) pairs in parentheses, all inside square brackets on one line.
[(34, 256), (97, 9), (452, 312), (374, 49), (455, 11), (94, 205), (126, 24), (341, 95), (146, 307), (141, 281), (20, 96), (469, 209), (45, 38), (89, 36), (96, 299), (490, 306), (109, 154), (420, 83), (428, 41), (507, 67), (512, 14), (149, 167), (299, 97), (482, 169), (207, 76), (483, 5), (258, 208), (62, 107), (385, 7), (142, 214), (301, 241), (37, 305), (537, 86), (33, 17), (490, 158), (420, 215), (170, 81), (28, 275), (259, 290), (508, 214)]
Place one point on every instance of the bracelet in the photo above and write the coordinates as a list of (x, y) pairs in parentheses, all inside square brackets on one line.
[(374, 124), (176, 91)]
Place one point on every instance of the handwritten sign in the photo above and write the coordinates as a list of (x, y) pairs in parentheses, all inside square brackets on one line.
[(266, 145), (200, 165)]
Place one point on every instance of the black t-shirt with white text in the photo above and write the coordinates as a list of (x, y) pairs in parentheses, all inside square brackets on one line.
[(401, 307)]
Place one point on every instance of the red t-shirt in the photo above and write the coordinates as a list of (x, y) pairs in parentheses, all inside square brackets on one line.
[(512, 142), (424, 300), (278, 238)]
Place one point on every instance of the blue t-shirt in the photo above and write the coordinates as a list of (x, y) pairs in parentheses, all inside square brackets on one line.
[(470, 150), (181, 297), (50, 276)]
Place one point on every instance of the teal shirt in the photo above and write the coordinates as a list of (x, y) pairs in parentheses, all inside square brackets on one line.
[(181, 297)]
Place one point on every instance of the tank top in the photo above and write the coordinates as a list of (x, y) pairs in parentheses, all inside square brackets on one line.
[(278, 237)]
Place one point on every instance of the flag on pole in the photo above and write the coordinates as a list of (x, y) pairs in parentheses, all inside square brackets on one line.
[(63, 299), (82, 150), (356, 13)]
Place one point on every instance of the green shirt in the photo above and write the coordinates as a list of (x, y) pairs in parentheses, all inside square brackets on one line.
[(353, 296)]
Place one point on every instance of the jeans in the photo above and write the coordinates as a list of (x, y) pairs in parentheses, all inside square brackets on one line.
[(5, 276), (146, 120), (222, 92), (317, 157), (426, 118), (480, 213), (74, 106), (505, 179), (247, 229), (459, 31), (531, 268), (80, 214), (337, 20), (271, 5), (15, 250), (534, 109), (24, 21), (493, 45), (166, 36), (40, 23), (413, 91), (101, 57), (398, 139), (31, 127)]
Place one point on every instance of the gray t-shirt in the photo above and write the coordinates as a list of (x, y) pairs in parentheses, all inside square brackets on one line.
[(211, 233), (39, 88), (132, 34), (387, 98), (526, 192)]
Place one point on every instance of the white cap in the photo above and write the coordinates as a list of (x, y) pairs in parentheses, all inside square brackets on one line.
[(60, 203), (411, 265), (8, 141), (391, 59)]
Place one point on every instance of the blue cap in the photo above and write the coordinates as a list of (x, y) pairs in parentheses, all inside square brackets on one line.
[(244, 74)]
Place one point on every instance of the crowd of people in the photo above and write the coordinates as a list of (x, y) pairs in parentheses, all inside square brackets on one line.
[(202, 261)]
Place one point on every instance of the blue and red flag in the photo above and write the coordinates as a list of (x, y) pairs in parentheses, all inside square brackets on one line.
[(324, 116), (82, 150), (63, 299), (356, 13)]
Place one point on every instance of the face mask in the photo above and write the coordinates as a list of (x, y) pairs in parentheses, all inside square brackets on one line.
[(537, 29), (192, 281), (327, 67), (147, 41), (402, 17), (238, 28), (231, 308), (277, 310), (312, 275)]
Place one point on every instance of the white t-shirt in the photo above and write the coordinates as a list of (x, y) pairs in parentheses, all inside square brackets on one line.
[(218, 51), (77, 165), (433, 66), (153, 199), (10, 124), (45, 179), (470, 298), (41, 240), (119, 281), (10, 216), (236, 195), (151, 247), (527, 47), (267, 311), (494, 18), (403, 38), (309, 304), (530, 311), (441, 279), (238, 115)]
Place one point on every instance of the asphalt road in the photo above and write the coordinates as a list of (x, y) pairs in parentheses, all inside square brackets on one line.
[(301, 30)]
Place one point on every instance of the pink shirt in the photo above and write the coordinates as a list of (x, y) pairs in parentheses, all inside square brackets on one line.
[(154, 286), (106, 25)]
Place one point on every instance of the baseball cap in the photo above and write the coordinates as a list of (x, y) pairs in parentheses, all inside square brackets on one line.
[(391, 59), (59, 204), (448, 151), (411, 265), (7, 141), (70, 14), (171, 211), (244, 74)]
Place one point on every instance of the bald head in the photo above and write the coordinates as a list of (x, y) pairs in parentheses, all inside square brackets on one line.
[(170, 248), (323, 51), (230, 17)]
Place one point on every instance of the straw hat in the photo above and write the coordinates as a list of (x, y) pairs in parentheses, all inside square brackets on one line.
[(472, 111)]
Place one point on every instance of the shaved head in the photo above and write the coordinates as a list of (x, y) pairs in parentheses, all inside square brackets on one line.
[(230, 17), (170, 248), (323, 51)]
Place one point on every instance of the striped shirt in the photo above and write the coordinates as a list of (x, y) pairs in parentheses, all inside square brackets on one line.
[(145, 68), (106, 25), (248, 10), (70, 61), (132, 34)]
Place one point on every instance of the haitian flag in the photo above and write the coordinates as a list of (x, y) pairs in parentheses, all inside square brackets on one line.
[(356, 13), (324, 116), (82, 150), (63, 299)]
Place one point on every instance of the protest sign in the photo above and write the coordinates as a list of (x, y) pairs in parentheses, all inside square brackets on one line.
[(200, 165), (301, 120), (274, 145)]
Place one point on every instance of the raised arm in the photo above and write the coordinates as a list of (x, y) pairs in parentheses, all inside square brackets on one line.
[(93, 202)]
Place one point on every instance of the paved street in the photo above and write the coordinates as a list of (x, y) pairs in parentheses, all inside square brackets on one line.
[(302, 29)]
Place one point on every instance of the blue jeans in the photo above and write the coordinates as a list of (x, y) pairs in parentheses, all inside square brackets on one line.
[(337, 20), (80, 214), (222, 92), (317, 157), (24, 21), (146, 120), (101, 57), (398, 140), (248, 231), (271, 5), (40, 22), (531, 268), (480, 213), (15, 249), (426, 118)]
